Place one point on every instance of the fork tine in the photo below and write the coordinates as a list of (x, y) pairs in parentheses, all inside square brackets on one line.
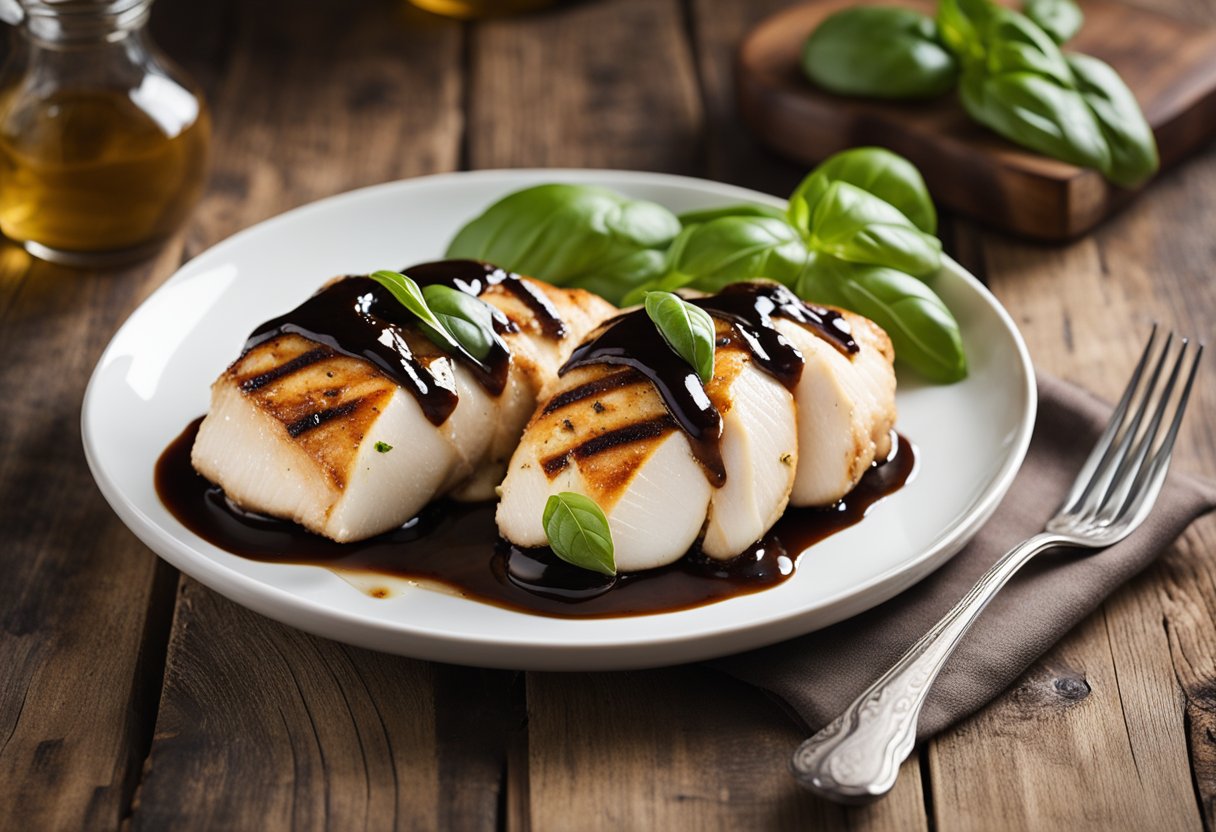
[(1149, 482), (1131, 468), (1104, 450)]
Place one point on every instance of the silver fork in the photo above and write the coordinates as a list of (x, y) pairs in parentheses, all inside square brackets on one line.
[(856, 758)]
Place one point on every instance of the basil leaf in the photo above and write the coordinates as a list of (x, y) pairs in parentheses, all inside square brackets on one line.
[(687, 329), (468, 319), (961, 24), (713, 254), (853, 225), (1133, 148), (879, 52), (578, 532), (572, 235), (925, 335), (1015, 44), (743, 209), (1039, 114), (886, 175), (409, 295), (1060, 19)]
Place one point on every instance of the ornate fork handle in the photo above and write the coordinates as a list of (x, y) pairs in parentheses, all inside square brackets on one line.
[(856, 758)]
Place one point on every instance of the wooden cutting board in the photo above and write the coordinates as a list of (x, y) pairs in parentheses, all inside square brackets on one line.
[(1168, 64)]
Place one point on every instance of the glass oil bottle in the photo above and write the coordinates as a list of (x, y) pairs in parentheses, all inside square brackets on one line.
[(103, 142)]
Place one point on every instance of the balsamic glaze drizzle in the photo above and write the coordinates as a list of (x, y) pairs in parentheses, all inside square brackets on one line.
[(633, 340), (358, 317)]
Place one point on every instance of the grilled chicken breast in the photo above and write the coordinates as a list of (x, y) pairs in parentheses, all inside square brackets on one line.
[(300, 431), (605, 431), (846, 409)]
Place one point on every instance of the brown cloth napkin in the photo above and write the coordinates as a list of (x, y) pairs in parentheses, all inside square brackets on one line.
[(818, 675)]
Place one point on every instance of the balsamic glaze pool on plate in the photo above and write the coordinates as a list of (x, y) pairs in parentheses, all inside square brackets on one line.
[(457, 545)]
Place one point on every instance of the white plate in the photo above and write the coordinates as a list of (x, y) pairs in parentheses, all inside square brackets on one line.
[(154, 378)]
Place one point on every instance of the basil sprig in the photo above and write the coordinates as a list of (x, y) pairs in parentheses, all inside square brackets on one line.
[(578, 532), (687, 329), (858, 227), (454, 325), (465, 317)]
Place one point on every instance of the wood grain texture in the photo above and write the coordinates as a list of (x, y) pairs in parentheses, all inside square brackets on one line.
[(264, 727), (595, 84), (261, 726), (682, 748), (1169, 65), (323, 98), (733, 153), (81, 608), (85, 609)]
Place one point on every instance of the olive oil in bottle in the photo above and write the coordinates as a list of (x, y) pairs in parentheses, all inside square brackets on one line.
[(103, 145)]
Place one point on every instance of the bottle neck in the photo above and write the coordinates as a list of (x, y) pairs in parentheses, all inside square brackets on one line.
[(72, 24)]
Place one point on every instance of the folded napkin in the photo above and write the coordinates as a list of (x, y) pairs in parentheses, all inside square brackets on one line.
[(818, 675)]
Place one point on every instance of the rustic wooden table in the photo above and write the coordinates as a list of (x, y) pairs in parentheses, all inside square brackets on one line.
[(132, 695)]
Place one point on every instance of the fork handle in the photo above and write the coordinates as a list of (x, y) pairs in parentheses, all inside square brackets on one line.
[(856, 758)]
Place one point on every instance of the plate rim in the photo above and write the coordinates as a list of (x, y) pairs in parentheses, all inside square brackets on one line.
[(427, 642)]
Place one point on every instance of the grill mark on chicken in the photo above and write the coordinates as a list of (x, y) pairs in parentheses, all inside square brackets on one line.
[(594, 387), (317, 418), (283, 370), (629, 434), (546, 314)]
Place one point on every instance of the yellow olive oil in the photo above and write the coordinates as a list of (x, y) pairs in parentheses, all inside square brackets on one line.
[(100, 170), (473, 9)]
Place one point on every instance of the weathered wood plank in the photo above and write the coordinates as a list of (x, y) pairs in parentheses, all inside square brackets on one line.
[(595, 85), (1188, 592), (86, 611), (732, 153), (681, 748), (80, 611), (327, 97), (261, 726), (264, 727)]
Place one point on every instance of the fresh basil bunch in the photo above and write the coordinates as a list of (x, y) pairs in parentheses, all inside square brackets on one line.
[(572, 235), (868, 220), (1011, 74), (1075, 107), (857, 234), (880, 52)]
